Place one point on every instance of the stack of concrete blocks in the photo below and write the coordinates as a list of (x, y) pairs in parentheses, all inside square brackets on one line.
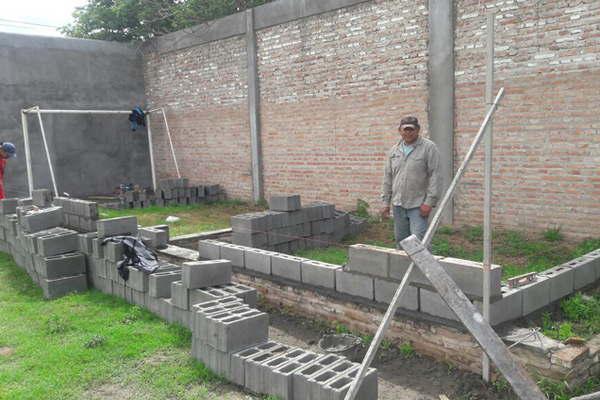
[(231, 338), (41, 198), (288, 226), (81, 215), (171, 192)]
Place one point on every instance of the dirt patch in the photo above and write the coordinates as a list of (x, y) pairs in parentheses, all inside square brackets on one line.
[(400, 377), (6, 351), (113, 391)]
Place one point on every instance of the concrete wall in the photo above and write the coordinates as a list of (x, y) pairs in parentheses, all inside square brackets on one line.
[(91, 155), (335, 81)]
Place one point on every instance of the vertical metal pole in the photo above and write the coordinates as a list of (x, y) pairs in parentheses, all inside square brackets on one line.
[(395, 302), (253, 107), (151, 150), (487, 197), (171, 142), (25, 127), (47, 154)]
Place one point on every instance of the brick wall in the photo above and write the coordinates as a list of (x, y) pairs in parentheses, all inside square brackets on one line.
[(334, 86), (204, 91), (546, 133)]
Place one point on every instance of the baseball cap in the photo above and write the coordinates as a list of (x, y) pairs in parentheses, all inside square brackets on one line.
[(9, 149), (409, 121)]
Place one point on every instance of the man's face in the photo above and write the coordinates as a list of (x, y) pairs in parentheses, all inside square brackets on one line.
[(409, 133), (3, 154)]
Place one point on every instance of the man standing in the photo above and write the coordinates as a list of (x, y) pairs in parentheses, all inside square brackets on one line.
[(7, 150), (411, 181)]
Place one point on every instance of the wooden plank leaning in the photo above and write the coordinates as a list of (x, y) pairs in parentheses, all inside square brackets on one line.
[(472, 319)]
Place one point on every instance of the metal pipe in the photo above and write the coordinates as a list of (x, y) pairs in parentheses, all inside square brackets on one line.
[(40, 111), (487, 184), (391, 311), (171, 143), (48, 155), (25, 128), (151, 150)]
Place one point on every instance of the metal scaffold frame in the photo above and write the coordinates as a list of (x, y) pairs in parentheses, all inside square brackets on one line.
[(38, 111)]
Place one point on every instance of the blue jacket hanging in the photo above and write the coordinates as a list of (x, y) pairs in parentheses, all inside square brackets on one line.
[(137, 118)]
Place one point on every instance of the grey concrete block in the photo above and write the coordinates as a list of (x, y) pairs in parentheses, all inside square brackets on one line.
[(561, 281), (536, 295), (508, 308), (371, 260), (337, 388), (354, 284), (281, 379), (301, 378), (117, 226), (288, 267), (399, 263), (385, 290), (55, 244), (258, 239), (594, 256), (468, 275), (238, 330), (85, 242), (138, 280), (97, 248), (218, 361), (156, 238), (8, 206), (432, 303), (54, 288), (238, 360), (99, 267), (233, 253), (258, 260), (140, 298), (159, 283), (179, 295), (41, 197), (584, 271), (202, 310), (250, 222), (113, 251), (165, 310), (61, 266), (254, 372), (246, 293), (39, 220), (285, 203), (209, 249), (318, 273), (200, 274), (320, 381)]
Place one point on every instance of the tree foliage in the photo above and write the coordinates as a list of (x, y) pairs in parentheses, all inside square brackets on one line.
[(127, 20)]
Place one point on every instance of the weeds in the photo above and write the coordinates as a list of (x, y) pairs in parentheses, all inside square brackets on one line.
[(56, 325), (95, 341), (407, 350), (553, 235)]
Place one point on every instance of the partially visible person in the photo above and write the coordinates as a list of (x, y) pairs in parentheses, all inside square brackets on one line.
[(7, 150), (411, 181)]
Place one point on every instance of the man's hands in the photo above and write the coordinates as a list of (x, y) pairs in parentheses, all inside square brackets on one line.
[(385, 212), (425, 210)]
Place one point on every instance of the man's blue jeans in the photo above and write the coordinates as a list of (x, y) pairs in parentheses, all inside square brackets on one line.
[(408, 222)]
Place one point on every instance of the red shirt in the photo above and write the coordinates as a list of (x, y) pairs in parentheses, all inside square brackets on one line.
[(2, 166)]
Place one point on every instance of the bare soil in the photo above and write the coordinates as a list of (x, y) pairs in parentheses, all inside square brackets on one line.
[(410, 378)]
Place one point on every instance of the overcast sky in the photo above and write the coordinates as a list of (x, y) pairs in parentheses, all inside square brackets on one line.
[(54, 13)]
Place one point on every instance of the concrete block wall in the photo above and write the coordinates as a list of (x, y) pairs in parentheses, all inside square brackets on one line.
[(288, 226), (78, 214), (373, 274)]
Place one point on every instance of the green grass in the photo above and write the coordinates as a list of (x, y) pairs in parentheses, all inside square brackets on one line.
[(332, 254), (579, 316), (194, 218), (75, 346)]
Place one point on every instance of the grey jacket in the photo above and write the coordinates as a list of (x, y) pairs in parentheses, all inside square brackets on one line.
[(412, 180)]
